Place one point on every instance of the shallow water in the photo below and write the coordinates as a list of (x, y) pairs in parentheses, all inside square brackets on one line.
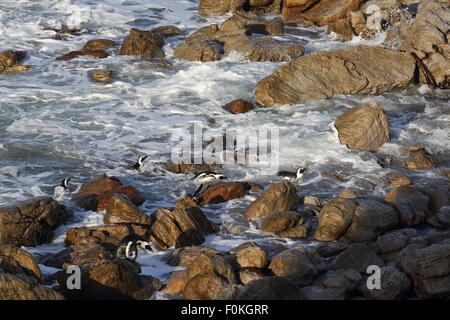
[(56, 122)]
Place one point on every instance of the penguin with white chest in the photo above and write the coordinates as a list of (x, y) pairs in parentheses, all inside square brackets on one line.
[(138, 165), (129, 245), (292, 175)]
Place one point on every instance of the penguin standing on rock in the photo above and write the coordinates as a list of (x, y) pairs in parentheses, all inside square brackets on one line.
[(129, 245), (205, 178)]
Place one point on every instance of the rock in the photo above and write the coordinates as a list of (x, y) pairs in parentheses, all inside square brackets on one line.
[(101, 76), (430, 269), (334, 219), (311, 201), (219, 7), (224, 191), (199, 50), (192, 168), (270, 288), (371, 218), (278, 197), (121, 210), (74, 54), (186, 255), (441, 219), (22, 287), (274, 7), (358, 256), (31, 222), (186, 202), (437, 198), (247, 24), (110, 280), (205, 33), (364, 127), (394, 285), (295, 264), (411, 204), (322, 75), (95, 194), (9, 61), (239, 106), (286, 224), (249, 274), (394, 241), (419, 159), (146, 44), (176, 282), (181, 227), (15, 260), (292, 8), (77, 255), (397, 179), (107, 236), (99, 44), (329, 249), (264, 48), (427, 38), (249, 254), (168, 31), (343, 29), (348, 194), (209, 277), (329, 11)]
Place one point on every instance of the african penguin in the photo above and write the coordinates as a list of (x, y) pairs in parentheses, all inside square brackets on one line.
[(139, 162), (129, 245), (207, 177), (65, 183), (292, 175)]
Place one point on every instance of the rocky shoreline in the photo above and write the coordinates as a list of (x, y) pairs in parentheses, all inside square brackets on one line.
[(406, 234)]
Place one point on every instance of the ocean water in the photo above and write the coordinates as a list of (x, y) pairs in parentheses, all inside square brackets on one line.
[(56, 122)]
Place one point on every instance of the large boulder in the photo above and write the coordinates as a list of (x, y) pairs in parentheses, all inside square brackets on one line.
[(270, 288), (264, 48), (411, 204), (16, 260), (31, 222), (334, 219), (121, 210), (199, 50), (394, 285), (186, 255), (293, 8), (364, 127), (285, 224), (22, 287), (249, 255), (146, 44), (329, 11), (321, 75), (358, 256), (428, 38), (226, 191), (278, 197)]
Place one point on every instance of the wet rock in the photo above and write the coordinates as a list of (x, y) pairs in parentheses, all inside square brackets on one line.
[(364, 127), (74, 54), (176, 282), (249, 254), (311, 201), (239, 106), (273, 7), (186, 202), (411, 204), (293, 8), (22, 287), (209, 277), (247, 24), (220, 7), (264, 48), (370, 219), (184, 256), (285, 224), (270, 288), (77, 255), (329, 11), (224, 191), (334, 285), (297, 264), (15, 260), (121, 210), (334, 219), (278, 197), (247, 275), (168, 31), (9, 61), (181, 227), (322, 75), (397, 179), (199, 50), (427, 38), (146, 44), (31, 222), (206, 33), (419, 159), (101, 76), (358, 256), (394, 240), (95, 194), (348, 194), (192, 168), (99, 44)]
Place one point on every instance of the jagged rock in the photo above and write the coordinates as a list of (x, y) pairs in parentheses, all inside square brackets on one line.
[(419, 159), (358, 256), (15, 260), (77, 255), (121, 210), (31, 222), (239, 106), (278, 197), (394, 285), (186, 202), (22, 287), (199, 50), (329, 11), (364, 127), (293, 8), (321, 75), (311, 201), (270, 288), (410, 203), (249, 254), (226, 191), (334, 219), (285, 224), (146, 44), (219, 7)]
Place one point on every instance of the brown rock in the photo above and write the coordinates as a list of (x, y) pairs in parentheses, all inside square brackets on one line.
[(219, 7), (311, 201), (419, 159), (284, 224), (206, 33), (31, 222), (247, 275), (394, 285), (121, 210), (192, 168), (397, 179), (329, 11), (411, 204), (278, 197), (322, 75), (224, 191), (69, 56), (364, 127), (77, 255), (101, 76), (249, 254), (441, 219), (239, 106), (358, 256), (186, 202), (15, 260), (270, 288), (176, 282), (199, 50), (334, 219), (99, 44), (146, 44), (184, 256), (247, 24), (274, 7), (22, 287), (168, 31), (9, 61), (74, 54), (348, 194), (334, 285)]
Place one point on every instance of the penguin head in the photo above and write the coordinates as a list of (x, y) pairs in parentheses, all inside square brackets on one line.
[(145, 245), (300, 172), (141, 159), (65, 183), (222, 177)]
